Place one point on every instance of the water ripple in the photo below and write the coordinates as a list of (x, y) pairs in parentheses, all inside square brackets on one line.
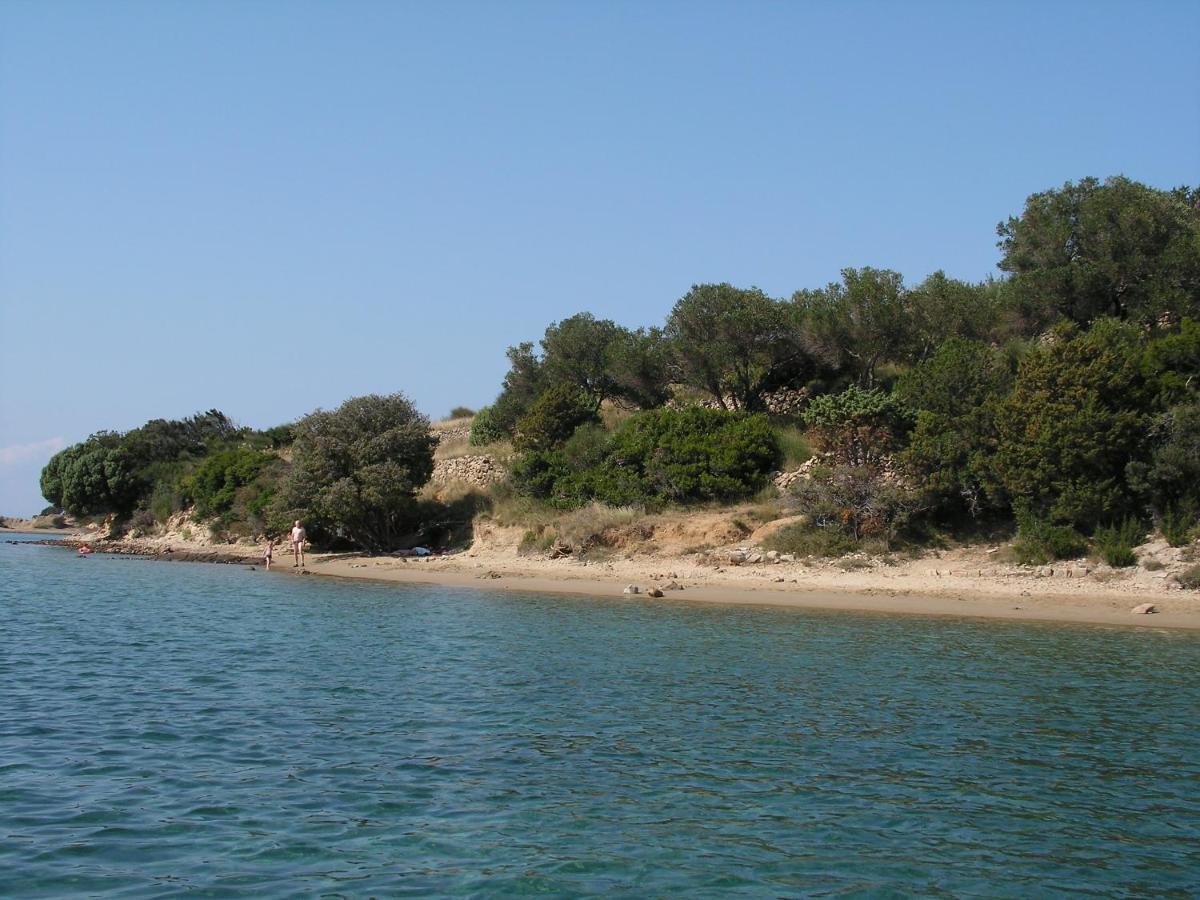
[(169, 729)]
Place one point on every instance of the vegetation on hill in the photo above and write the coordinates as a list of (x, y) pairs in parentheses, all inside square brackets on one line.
[(1061, 401)]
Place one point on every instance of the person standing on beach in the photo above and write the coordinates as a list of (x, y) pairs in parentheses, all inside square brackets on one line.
[(269, 553), (299, 536)]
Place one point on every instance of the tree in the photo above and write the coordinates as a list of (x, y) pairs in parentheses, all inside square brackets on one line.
[(1114, 248), (578, 351), (1075, 420), (941, 308), (862, 321), (738, 345), (355, 470), (640, 365), (955, 394)]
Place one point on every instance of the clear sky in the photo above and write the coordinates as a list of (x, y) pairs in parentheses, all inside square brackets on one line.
[(270, 207)]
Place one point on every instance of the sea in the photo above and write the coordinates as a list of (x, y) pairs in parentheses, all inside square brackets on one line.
[(189, 730)]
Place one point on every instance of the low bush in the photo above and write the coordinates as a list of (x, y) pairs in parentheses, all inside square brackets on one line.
[(806, 539), (1038, 542), (486, 429), (1179, 526), (1115, 543), (461, 412), (793, 447), (857, 500), (142, 522), (1189, 579)]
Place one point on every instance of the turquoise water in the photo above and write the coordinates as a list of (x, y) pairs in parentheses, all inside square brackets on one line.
[(170, 729)]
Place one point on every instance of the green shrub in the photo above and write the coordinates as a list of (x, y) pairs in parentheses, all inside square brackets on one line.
[(553, 418), (1179, 526), (1115, 543), (858, 427), (485, 429), (214, 484), (1076, 417), (658, 456), (1189, 579), (793, 447), (1039, 542), (461, 412), (690, 456)]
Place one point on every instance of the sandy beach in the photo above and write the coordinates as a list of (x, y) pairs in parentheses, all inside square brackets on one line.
[(960, 583)]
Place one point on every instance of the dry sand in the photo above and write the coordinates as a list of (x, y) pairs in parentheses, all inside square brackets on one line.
[(962, 583), (887, 589)]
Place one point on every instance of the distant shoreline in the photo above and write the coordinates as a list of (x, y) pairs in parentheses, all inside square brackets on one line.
[(887, 593)]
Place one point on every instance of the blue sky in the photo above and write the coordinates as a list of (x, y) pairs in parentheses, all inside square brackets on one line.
[(270, 207)]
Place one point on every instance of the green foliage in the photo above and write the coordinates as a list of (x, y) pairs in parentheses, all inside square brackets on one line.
[(857, 501), (1076, 418), (1170, 476), (942, 309), (1173, 362), (694, 455), (1039, 542), (578, 352), (955, 393), (1179, 525), (553, 418), (863, 321), (1113, 248), (92, 477), (859, 427), (662, 456), (461, 412), (214, 484), (486, 429), (1115, 543), (738, 345), (356, 469)]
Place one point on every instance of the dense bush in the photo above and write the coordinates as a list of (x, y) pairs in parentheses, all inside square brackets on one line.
[(214, 483), (485, 429), (1115, 543), (694, 455), (553, 418), (1077, 417), (1039, 542), (355, 471), (663, 456), (858, 427), (461, 412), (955, 393), (857, 501)]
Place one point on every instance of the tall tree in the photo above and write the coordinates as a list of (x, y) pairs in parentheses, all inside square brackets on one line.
[(355, 470), (1112, 248), (738, 345), (863, 320)]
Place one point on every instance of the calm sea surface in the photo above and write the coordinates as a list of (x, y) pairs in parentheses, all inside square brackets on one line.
[(170, 729)]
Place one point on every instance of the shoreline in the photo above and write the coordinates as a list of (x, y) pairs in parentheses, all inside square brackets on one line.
[(959, 597)]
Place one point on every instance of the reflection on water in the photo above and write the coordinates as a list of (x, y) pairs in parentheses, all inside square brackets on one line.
[(169, 728)]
